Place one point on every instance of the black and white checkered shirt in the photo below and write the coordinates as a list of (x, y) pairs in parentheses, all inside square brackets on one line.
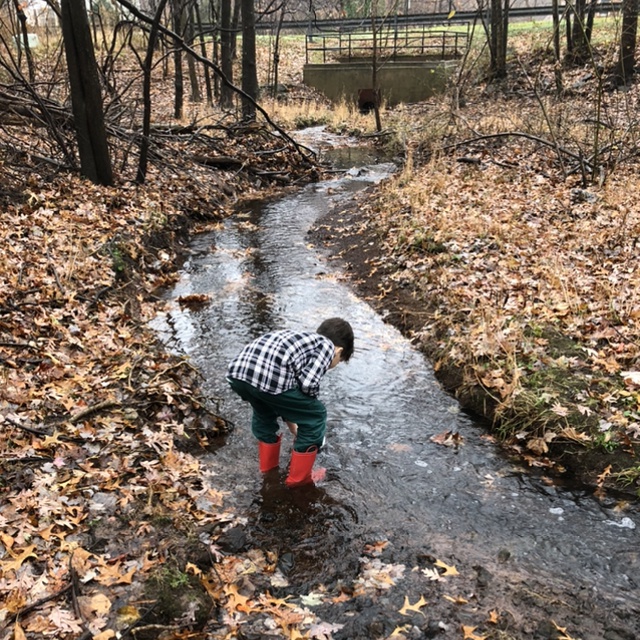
[(283, 360)]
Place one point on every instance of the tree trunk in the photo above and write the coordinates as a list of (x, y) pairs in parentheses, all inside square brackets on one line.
[(86, 99), (235, 21), (591, 16), (498, 38), (249, 71), (627, 55), (580, 51), (22, 18), (276, 51), (568, 31), (196, 96), (556, 29), (215, 54), (556, 46), (374, 72), (178, 80), (226, 54), (146, 93), (203, 51)]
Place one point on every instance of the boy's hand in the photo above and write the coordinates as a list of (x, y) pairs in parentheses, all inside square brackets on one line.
[(293, 427)]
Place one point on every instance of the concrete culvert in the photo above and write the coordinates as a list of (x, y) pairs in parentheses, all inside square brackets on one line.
[(367, 100)]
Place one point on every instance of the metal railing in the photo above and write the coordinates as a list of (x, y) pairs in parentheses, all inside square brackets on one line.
[(396, 43), (358, 24)]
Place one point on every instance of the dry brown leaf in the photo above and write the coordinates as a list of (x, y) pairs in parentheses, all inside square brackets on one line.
[(407, 606), (563, 631), (456, 599), (470, 635), (18, 633), (18, 558), (603, 476), (449, 570), (448, 439)]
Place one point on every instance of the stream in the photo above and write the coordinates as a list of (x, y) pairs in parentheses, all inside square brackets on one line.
[(544, 556)]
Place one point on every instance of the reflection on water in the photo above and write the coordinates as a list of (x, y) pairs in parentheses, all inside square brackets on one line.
[(386, 477)]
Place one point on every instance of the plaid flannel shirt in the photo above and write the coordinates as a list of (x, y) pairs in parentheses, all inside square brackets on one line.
[(283, 360)]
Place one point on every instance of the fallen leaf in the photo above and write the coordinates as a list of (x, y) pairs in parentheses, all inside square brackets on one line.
[(432, 574), (112, 574), (448, 570), (49, 440), (538, 446), (456, 600), (632, 377), (100, 604), (7, 540), (194, 300), (236, 601), (398, 447), (562, 630), (127, 615), (18, 633), (18, 558), (585, 411), (572, 434), (343, 597), (407, 606), (275, 603), (15, 600), (375, 548), (448, 439), (560, 410), (470, 635), (324, 630), (602, 477), (314, 599)]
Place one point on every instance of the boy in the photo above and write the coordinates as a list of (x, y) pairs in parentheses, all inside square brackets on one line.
[(279, 375)]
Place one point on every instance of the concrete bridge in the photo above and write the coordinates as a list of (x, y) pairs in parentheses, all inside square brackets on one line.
[(411, 63)]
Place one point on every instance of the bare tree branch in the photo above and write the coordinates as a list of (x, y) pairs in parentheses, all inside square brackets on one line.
[(185, 47)]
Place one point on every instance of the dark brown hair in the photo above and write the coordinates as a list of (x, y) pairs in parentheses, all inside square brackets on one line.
[(339, 331)]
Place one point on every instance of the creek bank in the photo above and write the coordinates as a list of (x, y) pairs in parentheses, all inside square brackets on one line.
[(351, 237), (102, 496)]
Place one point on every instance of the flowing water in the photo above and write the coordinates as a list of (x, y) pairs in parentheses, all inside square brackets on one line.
[(469, 505)]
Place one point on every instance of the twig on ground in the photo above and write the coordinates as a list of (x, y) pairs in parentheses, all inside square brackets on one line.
[(101, 406), (33, 606), (517, 134)]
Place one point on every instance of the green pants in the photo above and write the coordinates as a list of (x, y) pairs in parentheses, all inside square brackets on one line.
[(293, 406)]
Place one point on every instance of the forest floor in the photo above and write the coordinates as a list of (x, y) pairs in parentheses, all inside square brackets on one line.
[(109, 525)]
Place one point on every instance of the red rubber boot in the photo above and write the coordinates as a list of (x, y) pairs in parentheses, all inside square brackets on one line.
[(300, 469), (269, 454)]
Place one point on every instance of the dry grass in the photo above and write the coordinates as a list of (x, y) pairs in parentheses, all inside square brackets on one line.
[(524, 252)]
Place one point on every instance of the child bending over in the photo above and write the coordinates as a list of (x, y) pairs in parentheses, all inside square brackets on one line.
[(279, 375)]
